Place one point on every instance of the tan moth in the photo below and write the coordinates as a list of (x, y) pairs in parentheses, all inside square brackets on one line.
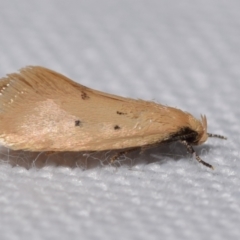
[(42, 110)]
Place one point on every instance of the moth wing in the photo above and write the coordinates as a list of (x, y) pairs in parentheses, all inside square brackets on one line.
[(42, 110)]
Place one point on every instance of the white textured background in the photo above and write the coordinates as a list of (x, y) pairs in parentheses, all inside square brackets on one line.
[(181, 53)]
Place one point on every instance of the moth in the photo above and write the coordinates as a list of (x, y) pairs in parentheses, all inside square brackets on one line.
[(42, 110)]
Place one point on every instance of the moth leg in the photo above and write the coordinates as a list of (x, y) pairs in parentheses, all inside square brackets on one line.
[(192, 151), (119, 154)]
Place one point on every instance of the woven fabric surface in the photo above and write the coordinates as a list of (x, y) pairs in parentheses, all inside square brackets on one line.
[(184, 54)]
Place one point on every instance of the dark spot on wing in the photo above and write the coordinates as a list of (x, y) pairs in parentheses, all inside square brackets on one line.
[(77, 123), (116, 127), (121, 113), (84, 96)]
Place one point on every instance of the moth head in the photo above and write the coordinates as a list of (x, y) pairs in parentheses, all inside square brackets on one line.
[(200, 129)]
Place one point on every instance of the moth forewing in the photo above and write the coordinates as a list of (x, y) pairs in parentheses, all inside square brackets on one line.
[(42, 110)]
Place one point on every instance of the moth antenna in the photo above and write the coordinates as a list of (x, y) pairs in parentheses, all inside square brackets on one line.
[(192, 151), (217, 136)]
